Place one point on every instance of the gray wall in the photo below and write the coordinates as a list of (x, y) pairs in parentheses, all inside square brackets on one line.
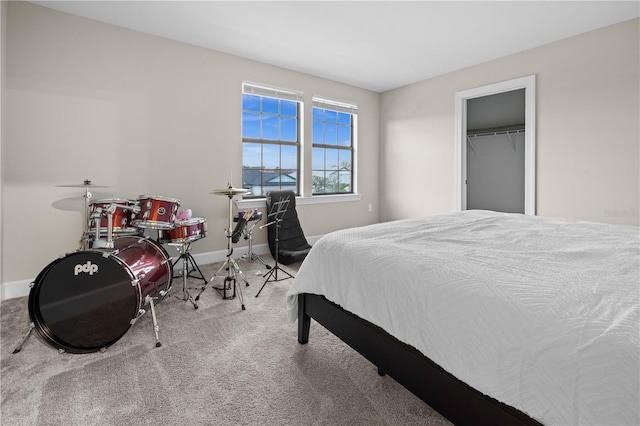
[(587, 145)]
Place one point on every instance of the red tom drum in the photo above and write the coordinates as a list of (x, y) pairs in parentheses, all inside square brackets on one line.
[(184, 231), (156, 212), (121, 218)]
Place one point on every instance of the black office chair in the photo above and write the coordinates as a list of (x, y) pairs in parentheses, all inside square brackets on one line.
[(292, 246)]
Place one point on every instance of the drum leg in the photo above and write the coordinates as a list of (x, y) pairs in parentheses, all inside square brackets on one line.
[(24, 339), (250, 255), (237, 271), (230, 281), (195, 266), (224, 288), (240, 296), (233, 283), (187, 262), (234, 271), (156, 329), (185, 290)]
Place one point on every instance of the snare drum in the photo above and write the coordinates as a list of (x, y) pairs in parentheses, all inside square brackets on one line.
[(156, 212), (87, 300), (185, 231), (121, 218)]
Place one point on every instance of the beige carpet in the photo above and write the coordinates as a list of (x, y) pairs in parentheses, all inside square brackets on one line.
[(218, 365)]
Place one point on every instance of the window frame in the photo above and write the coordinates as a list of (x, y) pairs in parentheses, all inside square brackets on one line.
[(280, 94), (338, 106)]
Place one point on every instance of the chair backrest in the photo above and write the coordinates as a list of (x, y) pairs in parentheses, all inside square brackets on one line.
[(291, 236)]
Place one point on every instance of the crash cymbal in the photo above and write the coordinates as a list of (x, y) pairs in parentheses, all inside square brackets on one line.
[(86, 184), (230, 191)]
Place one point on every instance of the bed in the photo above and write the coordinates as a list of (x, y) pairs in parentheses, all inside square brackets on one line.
[(490, 318)]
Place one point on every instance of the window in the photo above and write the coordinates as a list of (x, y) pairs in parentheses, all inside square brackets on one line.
[(270, 139), (333, 146)]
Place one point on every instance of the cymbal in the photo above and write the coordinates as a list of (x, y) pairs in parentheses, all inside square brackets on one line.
[(85, 184), (72, 204), (230, 191)]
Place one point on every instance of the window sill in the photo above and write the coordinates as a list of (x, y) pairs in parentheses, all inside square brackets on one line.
[(255, 203)]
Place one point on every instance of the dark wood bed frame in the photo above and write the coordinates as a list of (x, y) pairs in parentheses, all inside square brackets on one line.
[(455, 400)]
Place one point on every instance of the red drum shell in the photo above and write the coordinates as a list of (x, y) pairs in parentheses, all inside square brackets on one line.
[(184, 231), (121, 219), (86, 301), (156, 212)]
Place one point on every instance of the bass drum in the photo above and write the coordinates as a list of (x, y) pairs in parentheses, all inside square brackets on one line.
[(87, 300)]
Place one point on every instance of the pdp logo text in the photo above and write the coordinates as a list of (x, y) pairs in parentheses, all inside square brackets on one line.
[(88, 267)]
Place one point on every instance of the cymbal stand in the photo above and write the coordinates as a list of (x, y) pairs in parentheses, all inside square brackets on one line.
[(188, 264), (278, 210), (233, 270), (84, 242)]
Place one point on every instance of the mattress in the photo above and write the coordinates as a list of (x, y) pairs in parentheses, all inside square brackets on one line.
[(539, 313)]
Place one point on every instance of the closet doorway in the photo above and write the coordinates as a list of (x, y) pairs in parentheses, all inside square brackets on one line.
[(495, 147)]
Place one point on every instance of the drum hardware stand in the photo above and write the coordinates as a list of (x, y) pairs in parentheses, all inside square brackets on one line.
[(109, 212), (85, 216), (233, 270), (278, 210), (230, 280), (250, 255), (187, 262), (84, 241)]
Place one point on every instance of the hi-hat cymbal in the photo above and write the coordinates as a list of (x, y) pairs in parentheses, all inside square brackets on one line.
[(87, 183), (230, 191)]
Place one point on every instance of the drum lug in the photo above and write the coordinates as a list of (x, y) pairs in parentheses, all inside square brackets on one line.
[(31, 284), (107, 254), (60, 351), (135, 282), (103, 350)]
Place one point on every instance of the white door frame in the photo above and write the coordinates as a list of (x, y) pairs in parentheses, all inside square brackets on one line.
[(529, 84)]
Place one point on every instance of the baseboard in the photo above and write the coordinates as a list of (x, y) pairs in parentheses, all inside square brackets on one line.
[(21, 288)]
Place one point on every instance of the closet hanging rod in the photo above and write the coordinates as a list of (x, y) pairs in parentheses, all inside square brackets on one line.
[(476, 133)]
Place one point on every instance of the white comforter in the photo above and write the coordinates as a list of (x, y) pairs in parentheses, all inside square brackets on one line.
[(538, 313)]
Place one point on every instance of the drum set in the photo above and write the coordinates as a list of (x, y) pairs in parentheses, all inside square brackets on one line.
[(86, 300)]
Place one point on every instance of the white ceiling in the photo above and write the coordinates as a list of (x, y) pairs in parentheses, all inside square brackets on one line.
[(376, 45)]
